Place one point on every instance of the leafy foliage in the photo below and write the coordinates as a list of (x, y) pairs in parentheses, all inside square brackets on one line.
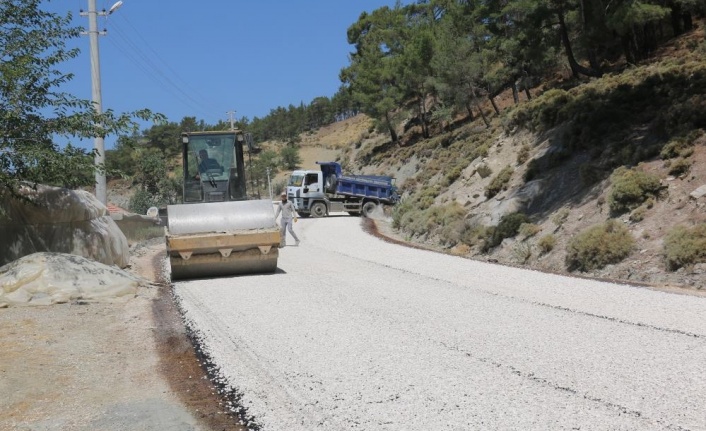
[(631, 187), (376, 65), (447, 222), (680, 145), (528, 230), (290, 158), (141, 201), (679, 167), (499, 183), (508, 227), (154, 185), (599, 246), (33, 109), (546, 243), (685, 246)]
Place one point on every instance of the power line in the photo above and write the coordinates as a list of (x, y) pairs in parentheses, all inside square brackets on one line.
[(148, 72), (144, 62), (156, 72), (156, 54)]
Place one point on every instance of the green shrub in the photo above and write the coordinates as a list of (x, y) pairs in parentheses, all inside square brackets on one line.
[(445, 221), (679, 167), (540, 113), (546, 243), (473, 234), (499, 183), (528, 230), (522, 251), (523, 154), (414, 222), (141, 201), (426, 196), (631, 187), (560, 216), (399, 211), (484, 170), (687, 152), (680, 146), (507, 228), (480, 151), (685, 246), (638, 214), (599, 246), (289, 157), (452, 176), (448, 221), (672, 149)]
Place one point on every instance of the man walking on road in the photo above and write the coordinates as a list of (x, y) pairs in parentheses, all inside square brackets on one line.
[(288, 213)]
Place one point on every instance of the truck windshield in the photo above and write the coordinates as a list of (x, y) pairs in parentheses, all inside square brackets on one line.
[(296, 180)]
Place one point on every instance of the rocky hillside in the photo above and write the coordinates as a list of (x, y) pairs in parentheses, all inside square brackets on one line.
[(601, 178), (587, 178)]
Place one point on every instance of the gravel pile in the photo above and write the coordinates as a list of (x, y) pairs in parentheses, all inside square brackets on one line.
[(358, 334)]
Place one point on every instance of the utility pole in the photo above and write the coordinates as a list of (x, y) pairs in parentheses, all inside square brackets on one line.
[(231, 115), (98, 143), (269, 185)]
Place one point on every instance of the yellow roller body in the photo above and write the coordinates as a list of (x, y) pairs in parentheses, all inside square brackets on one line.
[(222, 238)]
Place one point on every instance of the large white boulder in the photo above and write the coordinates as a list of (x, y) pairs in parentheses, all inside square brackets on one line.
[(51, 278), (60, 220)]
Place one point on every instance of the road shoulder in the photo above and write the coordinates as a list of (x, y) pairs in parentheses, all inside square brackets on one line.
[(110, 366)]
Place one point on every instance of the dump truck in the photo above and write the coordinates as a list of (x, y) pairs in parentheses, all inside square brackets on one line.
[(319, 193), (217, 231)]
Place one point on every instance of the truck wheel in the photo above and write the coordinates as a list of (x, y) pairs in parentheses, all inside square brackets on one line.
[(368, 208), (318, 210)]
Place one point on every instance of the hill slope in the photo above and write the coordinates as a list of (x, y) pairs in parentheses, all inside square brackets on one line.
[(556, 160)]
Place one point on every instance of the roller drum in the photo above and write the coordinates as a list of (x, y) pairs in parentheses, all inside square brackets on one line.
[(220, 217), (222, 238), (250, 261)]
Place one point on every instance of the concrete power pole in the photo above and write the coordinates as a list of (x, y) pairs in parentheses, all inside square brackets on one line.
[(269, 184), (231, 116), (98, 143)]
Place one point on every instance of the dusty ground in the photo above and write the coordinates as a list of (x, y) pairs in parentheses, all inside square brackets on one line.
[(108, 366)]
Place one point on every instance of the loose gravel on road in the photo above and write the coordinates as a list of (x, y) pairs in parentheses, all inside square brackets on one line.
[(355, 333)]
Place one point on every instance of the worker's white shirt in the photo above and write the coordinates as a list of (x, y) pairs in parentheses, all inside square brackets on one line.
[(287, 210)]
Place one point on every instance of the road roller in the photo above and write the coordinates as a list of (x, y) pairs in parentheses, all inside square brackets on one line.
[(217, 231)]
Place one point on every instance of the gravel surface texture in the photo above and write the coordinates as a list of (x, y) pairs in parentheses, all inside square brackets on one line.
[(359, 334)]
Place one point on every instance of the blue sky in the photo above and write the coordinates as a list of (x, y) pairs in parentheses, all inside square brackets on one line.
[(205, 58)]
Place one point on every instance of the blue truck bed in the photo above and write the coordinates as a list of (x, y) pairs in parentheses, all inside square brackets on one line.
[(380, 188), (377, 187)]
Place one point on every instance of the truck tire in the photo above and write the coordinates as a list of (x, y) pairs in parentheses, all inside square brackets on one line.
[(318, 210), (368, 208)]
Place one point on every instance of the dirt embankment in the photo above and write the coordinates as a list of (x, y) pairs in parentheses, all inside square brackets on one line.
[(109, 366)]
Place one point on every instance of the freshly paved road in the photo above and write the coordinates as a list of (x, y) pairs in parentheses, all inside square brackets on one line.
[(358, 334)]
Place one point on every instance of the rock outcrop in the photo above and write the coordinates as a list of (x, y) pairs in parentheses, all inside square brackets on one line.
[(53, 219)]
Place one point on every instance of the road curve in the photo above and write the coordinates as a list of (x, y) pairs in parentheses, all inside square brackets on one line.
[(353, 333)]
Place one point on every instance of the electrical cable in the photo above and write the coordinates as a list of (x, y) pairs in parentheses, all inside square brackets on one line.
[(135, 54), (156, 54)]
